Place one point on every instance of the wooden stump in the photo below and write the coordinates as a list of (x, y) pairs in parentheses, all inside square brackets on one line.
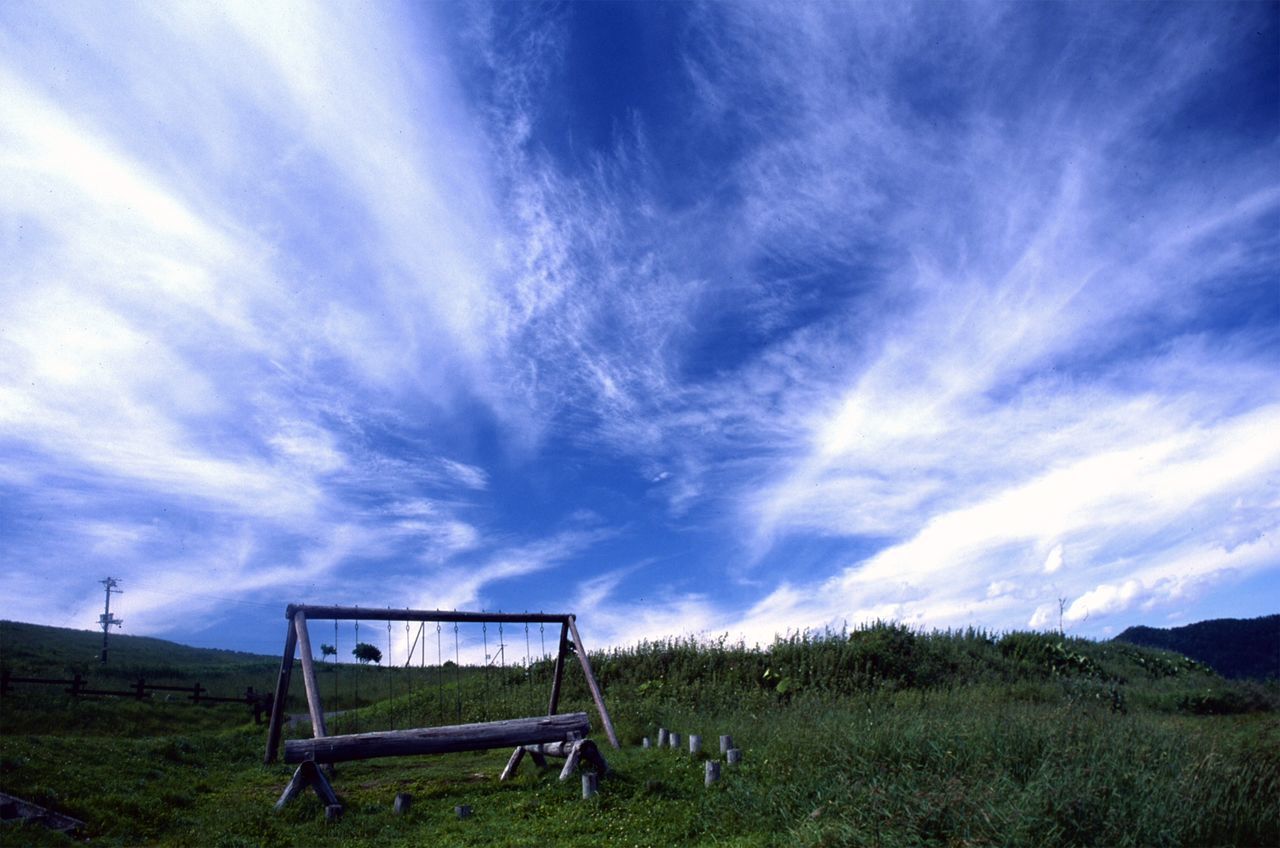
[(734, 756), (674, 738), (695, 744), (726, 742), (713, 771), (402, 803)]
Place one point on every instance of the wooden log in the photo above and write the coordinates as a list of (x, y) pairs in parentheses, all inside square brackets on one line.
[(437, 740), (332, 613), (587, 750), (593, 685), (512, 764), (536, 755), (276, 723), (314, 705)]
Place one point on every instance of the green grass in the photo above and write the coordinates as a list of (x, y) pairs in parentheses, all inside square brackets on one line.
[(878, 737)]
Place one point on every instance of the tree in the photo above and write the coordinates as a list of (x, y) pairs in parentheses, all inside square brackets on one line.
[(367, 653), (328, 651)]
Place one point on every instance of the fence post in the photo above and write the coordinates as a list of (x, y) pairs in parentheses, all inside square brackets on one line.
[(195, 693), (77, 683), (140, 688), (4, 681)]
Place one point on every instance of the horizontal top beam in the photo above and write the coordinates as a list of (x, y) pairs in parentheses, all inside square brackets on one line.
[(393, 614)]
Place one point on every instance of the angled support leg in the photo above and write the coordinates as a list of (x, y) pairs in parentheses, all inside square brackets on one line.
[(306, 775)]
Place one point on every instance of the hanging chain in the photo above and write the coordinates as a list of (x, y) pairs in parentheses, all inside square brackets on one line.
[(528, 668)]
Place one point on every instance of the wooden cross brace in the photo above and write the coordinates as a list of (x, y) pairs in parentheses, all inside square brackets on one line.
[(309, 774)]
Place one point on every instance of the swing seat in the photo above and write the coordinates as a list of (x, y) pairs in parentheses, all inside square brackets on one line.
[(512, 733)]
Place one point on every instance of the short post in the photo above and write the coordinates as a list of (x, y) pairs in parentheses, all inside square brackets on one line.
[(644, 743), (695, 744), (675, 740), (662, 737), (77, 683), (5, 674), (462, 811), (402, 803), (195, 697), (590, 783), (332, 813), (734, 756), (726, 742), (713, 771), (140, 689)]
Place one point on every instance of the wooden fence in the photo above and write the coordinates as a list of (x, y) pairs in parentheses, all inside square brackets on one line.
[(78, 686)]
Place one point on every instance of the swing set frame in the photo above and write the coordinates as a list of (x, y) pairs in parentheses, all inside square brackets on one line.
[(554, 734)]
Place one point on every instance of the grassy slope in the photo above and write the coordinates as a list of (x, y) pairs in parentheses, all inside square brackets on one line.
[(880, 737)]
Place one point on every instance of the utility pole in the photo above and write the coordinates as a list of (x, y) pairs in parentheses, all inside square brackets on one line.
[(107, 619)]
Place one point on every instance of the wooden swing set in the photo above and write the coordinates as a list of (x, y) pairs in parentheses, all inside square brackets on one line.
[(556, 735)]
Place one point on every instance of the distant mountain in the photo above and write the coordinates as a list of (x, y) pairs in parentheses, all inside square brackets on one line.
[(1233, 647)]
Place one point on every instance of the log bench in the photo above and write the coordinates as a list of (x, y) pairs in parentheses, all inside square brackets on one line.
[(554, 734), (448, 739)]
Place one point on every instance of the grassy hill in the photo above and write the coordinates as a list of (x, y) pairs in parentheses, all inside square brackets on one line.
[(1233, 647), (33, 649), (883, 736)]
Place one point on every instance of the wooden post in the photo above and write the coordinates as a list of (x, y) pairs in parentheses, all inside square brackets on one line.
[(592, 685), (140, 688), (734, 756), (726, 742), (512, 764), (282, 690), (402, 803), (309, 675), (195, 693), (644, 743), (558, 677), (590, 783), (674, 739), (571, 762), (462, 811), (695, 744), (713, 771), (663, 736)]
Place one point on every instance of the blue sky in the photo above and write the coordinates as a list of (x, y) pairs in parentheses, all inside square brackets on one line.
[(724, 318)]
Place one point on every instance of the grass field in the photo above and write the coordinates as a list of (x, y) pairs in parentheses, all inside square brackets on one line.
[(881, 736)]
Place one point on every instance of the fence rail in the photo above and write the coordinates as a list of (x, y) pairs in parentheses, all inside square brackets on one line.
[(77, 686)]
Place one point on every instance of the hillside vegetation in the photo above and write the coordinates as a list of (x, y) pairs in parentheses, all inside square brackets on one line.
[(1233, 647), (880, 736)]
